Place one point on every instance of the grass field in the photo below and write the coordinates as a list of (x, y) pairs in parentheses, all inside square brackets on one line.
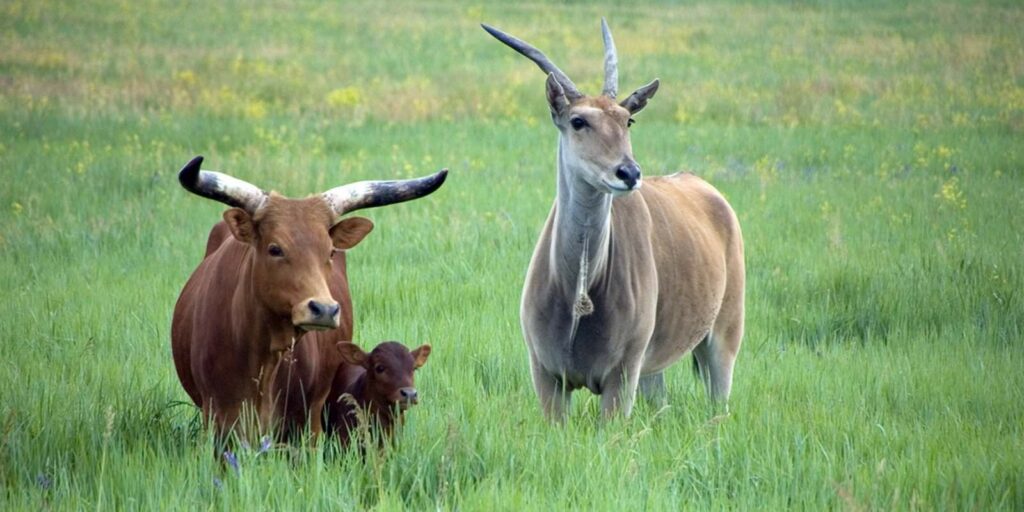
[(872, 151)]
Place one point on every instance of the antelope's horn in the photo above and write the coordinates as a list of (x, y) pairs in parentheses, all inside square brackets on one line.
[(611, 62), (538, 58)]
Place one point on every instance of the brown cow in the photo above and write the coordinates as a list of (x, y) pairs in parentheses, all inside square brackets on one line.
[(380, 384), (271, 288)]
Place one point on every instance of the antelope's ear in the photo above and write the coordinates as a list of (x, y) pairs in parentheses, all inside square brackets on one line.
[(638, 100), (352, 354), (349, 232), (420, 356), (240, 223), (556, 97)]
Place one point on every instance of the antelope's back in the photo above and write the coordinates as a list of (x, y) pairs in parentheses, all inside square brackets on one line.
[(698, 251)]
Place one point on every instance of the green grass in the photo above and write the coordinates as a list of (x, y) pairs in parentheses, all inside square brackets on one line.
[(872, 152)]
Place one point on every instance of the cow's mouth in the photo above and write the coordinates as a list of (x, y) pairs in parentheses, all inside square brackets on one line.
[(316, 327)]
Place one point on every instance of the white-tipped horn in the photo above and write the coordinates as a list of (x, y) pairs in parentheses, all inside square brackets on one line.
[(611, 62), (370, 194), (221, 187)]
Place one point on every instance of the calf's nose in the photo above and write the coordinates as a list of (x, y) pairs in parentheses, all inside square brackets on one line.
[(409, 394)]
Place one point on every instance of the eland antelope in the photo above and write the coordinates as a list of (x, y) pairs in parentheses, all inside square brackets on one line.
[(625, 279)]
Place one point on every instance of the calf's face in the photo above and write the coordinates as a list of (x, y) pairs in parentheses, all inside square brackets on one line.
[(390, 371)]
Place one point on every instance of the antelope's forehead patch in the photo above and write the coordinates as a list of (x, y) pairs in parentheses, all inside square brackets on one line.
[(599, 109)]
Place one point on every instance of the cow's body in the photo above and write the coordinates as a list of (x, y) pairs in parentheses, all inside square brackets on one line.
[(215, 322), (306, 372)]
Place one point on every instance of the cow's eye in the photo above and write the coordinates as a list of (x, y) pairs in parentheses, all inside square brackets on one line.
[(379, 368), (275, 251), (578, 123), (630, 122)]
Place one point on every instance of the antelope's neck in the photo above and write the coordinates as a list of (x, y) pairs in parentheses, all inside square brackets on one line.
[(582, 228)]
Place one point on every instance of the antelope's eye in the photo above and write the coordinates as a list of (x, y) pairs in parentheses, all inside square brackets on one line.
[(379, 368), (275, 251), (630, 122), (578, 123)]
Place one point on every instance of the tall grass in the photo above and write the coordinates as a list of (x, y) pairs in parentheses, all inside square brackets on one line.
[(872, 152)]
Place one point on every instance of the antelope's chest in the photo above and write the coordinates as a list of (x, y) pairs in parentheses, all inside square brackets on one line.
[(586, 350)]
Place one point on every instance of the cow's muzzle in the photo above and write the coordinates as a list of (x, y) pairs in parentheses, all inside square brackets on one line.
[(317, 314)]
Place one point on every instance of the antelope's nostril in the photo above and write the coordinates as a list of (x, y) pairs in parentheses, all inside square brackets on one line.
[(409, 394), (628, 173)]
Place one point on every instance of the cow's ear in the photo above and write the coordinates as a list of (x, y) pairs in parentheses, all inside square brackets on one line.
[(349, 232), (420, 356), (240, 223), (352, 354)]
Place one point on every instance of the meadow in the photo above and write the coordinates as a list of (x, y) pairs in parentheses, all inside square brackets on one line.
[(873, 152)]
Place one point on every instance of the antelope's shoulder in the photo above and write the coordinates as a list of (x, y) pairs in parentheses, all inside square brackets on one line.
[(688, 193)]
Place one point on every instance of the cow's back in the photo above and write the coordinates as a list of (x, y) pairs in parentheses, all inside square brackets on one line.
[(218, 234)]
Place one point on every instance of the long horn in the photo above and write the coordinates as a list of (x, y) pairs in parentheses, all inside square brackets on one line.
[(611, 62), (538, 58), (369, 194), (221, 187)]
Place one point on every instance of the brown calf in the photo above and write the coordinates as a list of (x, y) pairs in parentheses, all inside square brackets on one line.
[(381, 386)]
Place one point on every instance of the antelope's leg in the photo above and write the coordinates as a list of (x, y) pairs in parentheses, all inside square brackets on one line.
[(652, 387), (554, 396), (618, 390), (715, 362)]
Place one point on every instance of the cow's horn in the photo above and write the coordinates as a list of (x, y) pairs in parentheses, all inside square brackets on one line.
[(369, 194), (221, 187)]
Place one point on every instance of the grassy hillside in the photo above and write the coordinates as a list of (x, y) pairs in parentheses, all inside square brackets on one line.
[(872, 152)]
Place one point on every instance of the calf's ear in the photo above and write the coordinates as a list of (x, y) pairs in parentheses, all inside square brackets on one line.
[(349, 232), (352, 354), (420, 356), (240, 223)]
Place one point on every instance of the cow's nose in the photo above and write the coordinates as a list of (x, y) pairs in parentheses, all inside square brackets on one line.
[(629, 173), (321, 310), (409, 394)]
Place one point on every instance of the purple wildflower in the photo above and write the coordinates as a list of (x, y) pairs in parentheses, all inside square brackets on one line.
[(264, 445), (44, 481), (229, 456)]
